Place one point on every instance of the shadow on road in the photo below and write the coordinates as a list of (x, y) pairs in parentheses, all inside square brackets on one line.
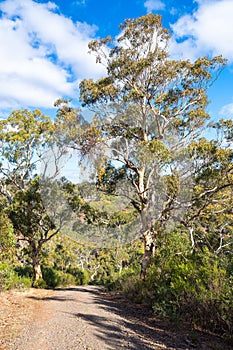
[(120, 324), (134, 327)]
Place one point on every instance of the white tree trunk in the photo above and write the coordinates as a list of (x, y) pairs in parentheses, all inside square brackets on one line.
[(149, 249), (35, 262), (147, 233)]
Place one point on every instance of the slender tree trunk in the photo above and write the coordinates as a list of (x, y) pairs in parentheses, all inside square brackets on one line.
[(37, 273), (149, 249), (148, 239)]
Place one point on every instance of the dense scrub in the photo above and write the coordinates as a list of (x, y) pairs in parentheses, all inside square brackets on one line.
[(188, 285)]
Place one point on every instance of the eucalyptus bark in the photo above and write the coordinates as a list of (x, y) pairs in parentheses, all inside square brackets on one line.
[(149, 250), (148, 236), (37, 273)]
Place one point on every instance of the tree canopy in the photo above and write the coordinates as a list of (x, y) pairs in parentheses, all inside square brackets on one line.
[(148, 111), (24, 136)]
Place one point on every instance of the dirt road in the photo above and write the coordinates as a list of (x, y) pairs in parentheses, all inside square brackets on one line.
[(86, 318)]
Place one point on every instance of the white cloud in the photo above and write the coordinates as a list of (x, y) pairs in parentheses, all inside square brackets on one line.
[(43, 54), (227, 110), (79, 2), (208, 30), (154, 5)]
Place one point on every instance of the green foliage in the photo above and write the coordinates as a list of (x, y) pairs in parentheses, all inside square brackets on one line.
[(39, 283), (31, 221), (9, 279), (194, 286), (29, 215), (128, 283), (7, 238), (24, 271), (119, 265), (65, 279), (50, 276), (24, 136), (81, 277), (148, 110), (56, 278), (145, 99)]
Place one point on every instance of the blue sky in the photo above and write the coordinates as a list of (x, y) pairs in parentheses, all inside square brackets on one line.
[(44, 52)]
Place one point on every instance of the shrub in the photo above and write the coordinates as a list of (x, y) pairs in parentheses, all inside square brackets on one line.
[(194, 287), (186, 286), (40, 284), (55, 278), (50, 276), (24, 271), (9, 279), (65, 279), (82, 277)]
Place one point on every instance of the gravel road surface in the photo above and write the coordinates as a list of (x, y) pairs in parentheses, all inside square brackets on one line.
[(87, 318)]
